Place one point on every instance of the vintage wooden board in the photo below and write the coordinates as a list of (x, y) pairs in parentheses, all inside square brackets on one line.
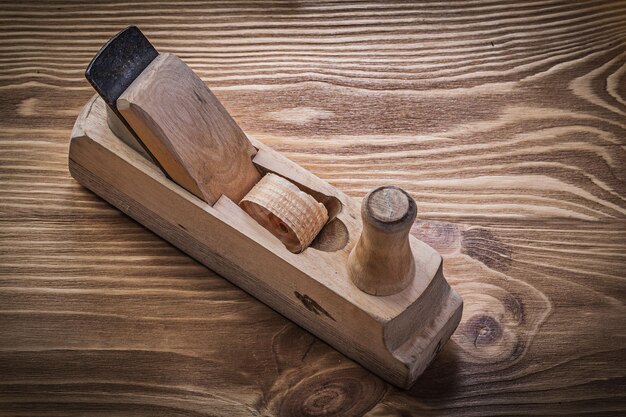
[(505, 120)]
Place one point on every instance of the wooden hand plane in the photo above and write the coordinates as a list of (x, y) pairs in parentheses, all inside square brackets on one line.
[(158, 145)]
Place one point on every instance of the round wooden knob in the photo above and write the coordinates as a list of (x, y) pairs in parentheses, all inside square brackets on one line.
[(382, 263)]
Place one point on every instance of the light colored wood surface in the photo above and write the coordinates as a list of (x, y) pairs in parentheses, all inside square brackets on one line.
[(505, 120), (188, 131)]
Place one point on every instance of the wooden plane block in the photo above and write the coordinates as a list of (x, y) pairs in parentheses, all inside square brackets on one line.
[(188, 131), (395, 336)]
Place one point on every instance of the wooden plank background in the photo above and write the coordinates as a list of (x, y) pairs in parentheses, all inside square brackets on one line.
[(505, 120)]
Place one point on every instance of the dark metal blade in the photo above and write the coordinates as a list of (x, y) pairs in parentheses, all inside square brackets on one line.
[(118, 63)]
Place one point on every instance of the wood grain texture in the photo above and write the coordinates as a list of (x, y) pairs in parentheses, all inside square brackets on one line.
[(505, 120)]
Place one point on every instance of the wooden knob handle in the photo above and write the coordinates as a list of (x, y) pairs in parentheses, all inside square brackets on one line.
[(382, 263)]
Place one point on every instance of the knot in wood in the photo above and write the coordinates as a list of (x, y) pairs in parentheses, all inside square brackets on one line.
[(338, 392), (484, 330)]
